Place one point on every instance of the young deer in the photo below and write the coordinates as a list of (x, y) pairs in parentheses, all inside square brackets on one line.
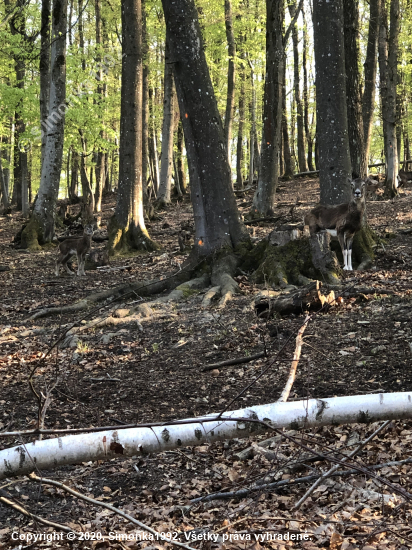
[(75, 245), (346, 218)]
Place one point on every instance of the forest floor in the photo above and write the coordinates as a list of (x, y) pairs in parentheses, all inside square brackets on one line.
[(361, 346)]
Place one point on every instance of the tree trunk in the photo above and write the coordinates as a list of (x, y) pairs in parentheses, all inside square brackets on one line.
[(216, 216), (388, 52), (289, 164), (264, 198), (252, 139), (332, 123), (240, 131), (308, 133), (180, 165), (368, 99), (166, 166), (353, 91), (76, 448), (74, 180), (40, 229), (127, 229), (153, 158), (299, 108), (99, 170), (230, 97), (44, 72), (145, 108), (3, 186)]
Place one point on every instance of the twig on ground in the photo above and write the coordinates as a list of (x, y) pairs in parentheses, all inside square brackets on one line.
[(335, 468), (5, 500), (241, 493), (238, 361), (296, 356), (117, 511)]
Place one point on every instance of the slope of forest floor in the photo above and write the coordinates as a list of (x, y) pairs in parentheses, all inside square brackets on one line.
[(153, 372)]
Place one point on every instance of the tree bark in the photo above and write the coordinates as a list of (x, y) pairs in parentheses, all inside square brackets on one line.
[(180, 164), (289, 164), (242, 423), (217, 221), (153, 158), (44, 71), (299, 108), (230, 96), (353, 91), (40, 229), (240, 131), (99, 170), (308, 132), (127, 229), (166, 165), (370, 65), (264, 198), (388, 52), (332, 123)]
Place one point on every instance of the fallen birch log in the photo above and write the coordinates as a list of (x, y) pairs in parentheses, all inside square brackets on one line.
[(73, 449)]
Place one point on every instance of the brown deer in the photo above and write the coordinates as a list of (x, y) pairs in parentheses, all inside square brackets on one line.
[(75, 245), (404, 177), (346, 218)]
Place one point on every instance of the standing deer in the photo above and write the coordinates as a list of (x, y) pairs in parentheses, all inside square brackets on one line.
[(75, 245), (346, 218)]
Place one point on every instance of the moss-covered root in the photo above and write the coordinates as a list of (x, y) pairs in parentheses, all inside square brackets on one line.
[(32, 235), (185, 290), (222, 275), (131, 239), (363, 248)]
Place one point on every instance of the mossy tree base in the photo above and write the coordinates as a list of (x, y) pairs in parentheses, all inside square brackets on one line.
[(32, 235), (128, 240), (362, 250), (296, 262)]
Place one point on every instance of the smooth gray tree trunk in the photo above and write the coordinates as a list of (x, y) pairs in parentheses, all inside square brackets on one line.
[(370, 66), (332, 123), (166, 164), (40, 229), (217, 220)]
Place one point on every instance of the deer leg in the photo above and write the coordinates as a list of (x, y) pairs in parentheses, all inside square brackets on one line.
[(349, 242), (64, 261), (80, 260), (341, 238), (56, 268)]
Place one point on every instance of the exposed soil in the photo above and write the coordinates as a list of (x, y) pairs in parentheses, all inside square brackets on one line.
[(360, 346)]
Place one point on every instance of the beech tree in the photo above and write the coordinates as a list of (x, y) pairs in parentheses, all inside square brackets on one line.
[(127, 230), (388, 68), (40, 228), (331, 113), (353, 91), (217, 221)]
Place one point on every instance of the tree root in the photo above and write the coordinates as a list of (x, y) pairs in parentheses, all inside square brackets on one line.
[(145, 288), (222, 275)]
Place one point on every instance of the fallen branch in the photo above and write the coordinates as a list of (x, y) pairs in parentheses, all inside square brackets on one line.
[(18, 508), (238, 361), (242, 423), (242, 493), (157, 535), (296, 356), (336, 466)]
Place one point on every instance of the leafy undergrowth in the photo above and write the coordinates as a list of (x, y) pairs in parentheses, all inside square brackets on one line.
[(153, 372)]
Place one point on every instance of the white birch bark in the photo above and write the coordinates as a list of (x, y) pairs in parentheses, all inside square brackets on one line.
[(71, 449)]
